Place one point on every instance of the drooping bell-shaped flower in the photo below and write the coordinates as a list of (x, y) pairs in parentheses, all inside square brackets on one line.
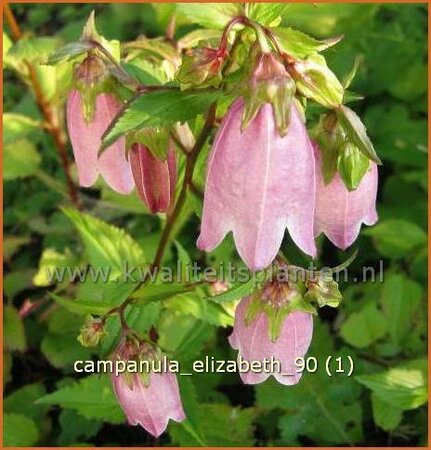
[(150, 400), (89, 113), (154, 179), (259, 184), (339, 212), (254, 343)]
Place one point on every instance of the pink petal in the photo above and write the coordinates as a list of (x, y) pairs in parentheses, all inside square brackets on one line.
[(258, 184), (340, 213), (86, 140), (152, 406), (254, 344), (154, 179)]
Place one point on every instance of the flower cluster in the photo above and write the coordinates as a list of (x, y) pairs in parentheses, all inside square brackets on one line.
[(266, 174)]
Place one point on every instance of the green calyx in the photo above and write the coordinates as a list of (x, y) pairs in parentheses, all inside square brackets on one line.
[(315, 80), (269, 83), (276, 300), (92, 332), (340, 152), (156, 139), (323, 290)]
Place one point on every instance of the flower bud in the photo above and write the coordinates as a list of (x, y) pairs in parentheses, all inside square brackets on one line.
[(92, 332), (269, 83), (201, 65), (147, 399), (154, 179), (86, 138)]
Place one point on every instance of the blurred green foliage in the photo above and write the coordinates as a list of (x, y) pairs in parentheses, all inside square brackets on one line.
[(382, 326)]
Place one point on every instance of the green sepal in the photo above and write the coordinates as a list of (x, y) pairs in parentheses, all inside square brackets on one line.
[(276, 316), (351, 75), (253, 308), (156, 139), (330, 138), (316, 81), (324, 291), (356, 132), (352, 165), (279, 94)]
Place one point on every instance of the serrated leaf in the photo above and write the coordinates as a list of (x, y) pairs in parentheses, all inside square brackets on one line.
[(17, 126), (82, 307), (159, 108), (20, 160), (299, 44), (68, 52), (106, 245), (92, 397), (403, 387), (210, 15), (357, 132)]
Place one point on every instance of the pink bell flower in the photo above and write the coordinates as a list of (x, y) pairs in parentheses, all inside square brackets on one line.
[(154, 179), (149, 406), (339, 212), (254, 344), (259, 184), (86, 140)]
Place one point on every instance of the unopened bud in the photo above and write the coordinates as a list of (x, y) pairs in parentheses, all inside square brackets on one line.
[(92, 332), (201, 65)]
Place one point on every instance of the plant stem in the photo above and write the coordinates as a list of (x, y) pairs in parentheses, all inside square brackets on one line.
[(46, 110), (188, 180)]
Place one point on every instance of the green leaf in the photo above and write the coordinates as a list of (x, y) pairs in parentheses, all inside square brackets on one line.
[(239, 291), (356, 132), (386, 416), (299, 44), (403, 387), (33, 48), (347, 80), (364, 327), (83, 307), (106, 245), (19, 431), (22, 400), (156, 293), (401, 298), (316, 81), (92, 397), (192, 39), (159, 108), (11, 244), (13, 329), (395, 238), (210, 15), (20, 160), (49, 261), (267, 14), (59, 344), (68, 52), (352, 166), (17, 126)]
